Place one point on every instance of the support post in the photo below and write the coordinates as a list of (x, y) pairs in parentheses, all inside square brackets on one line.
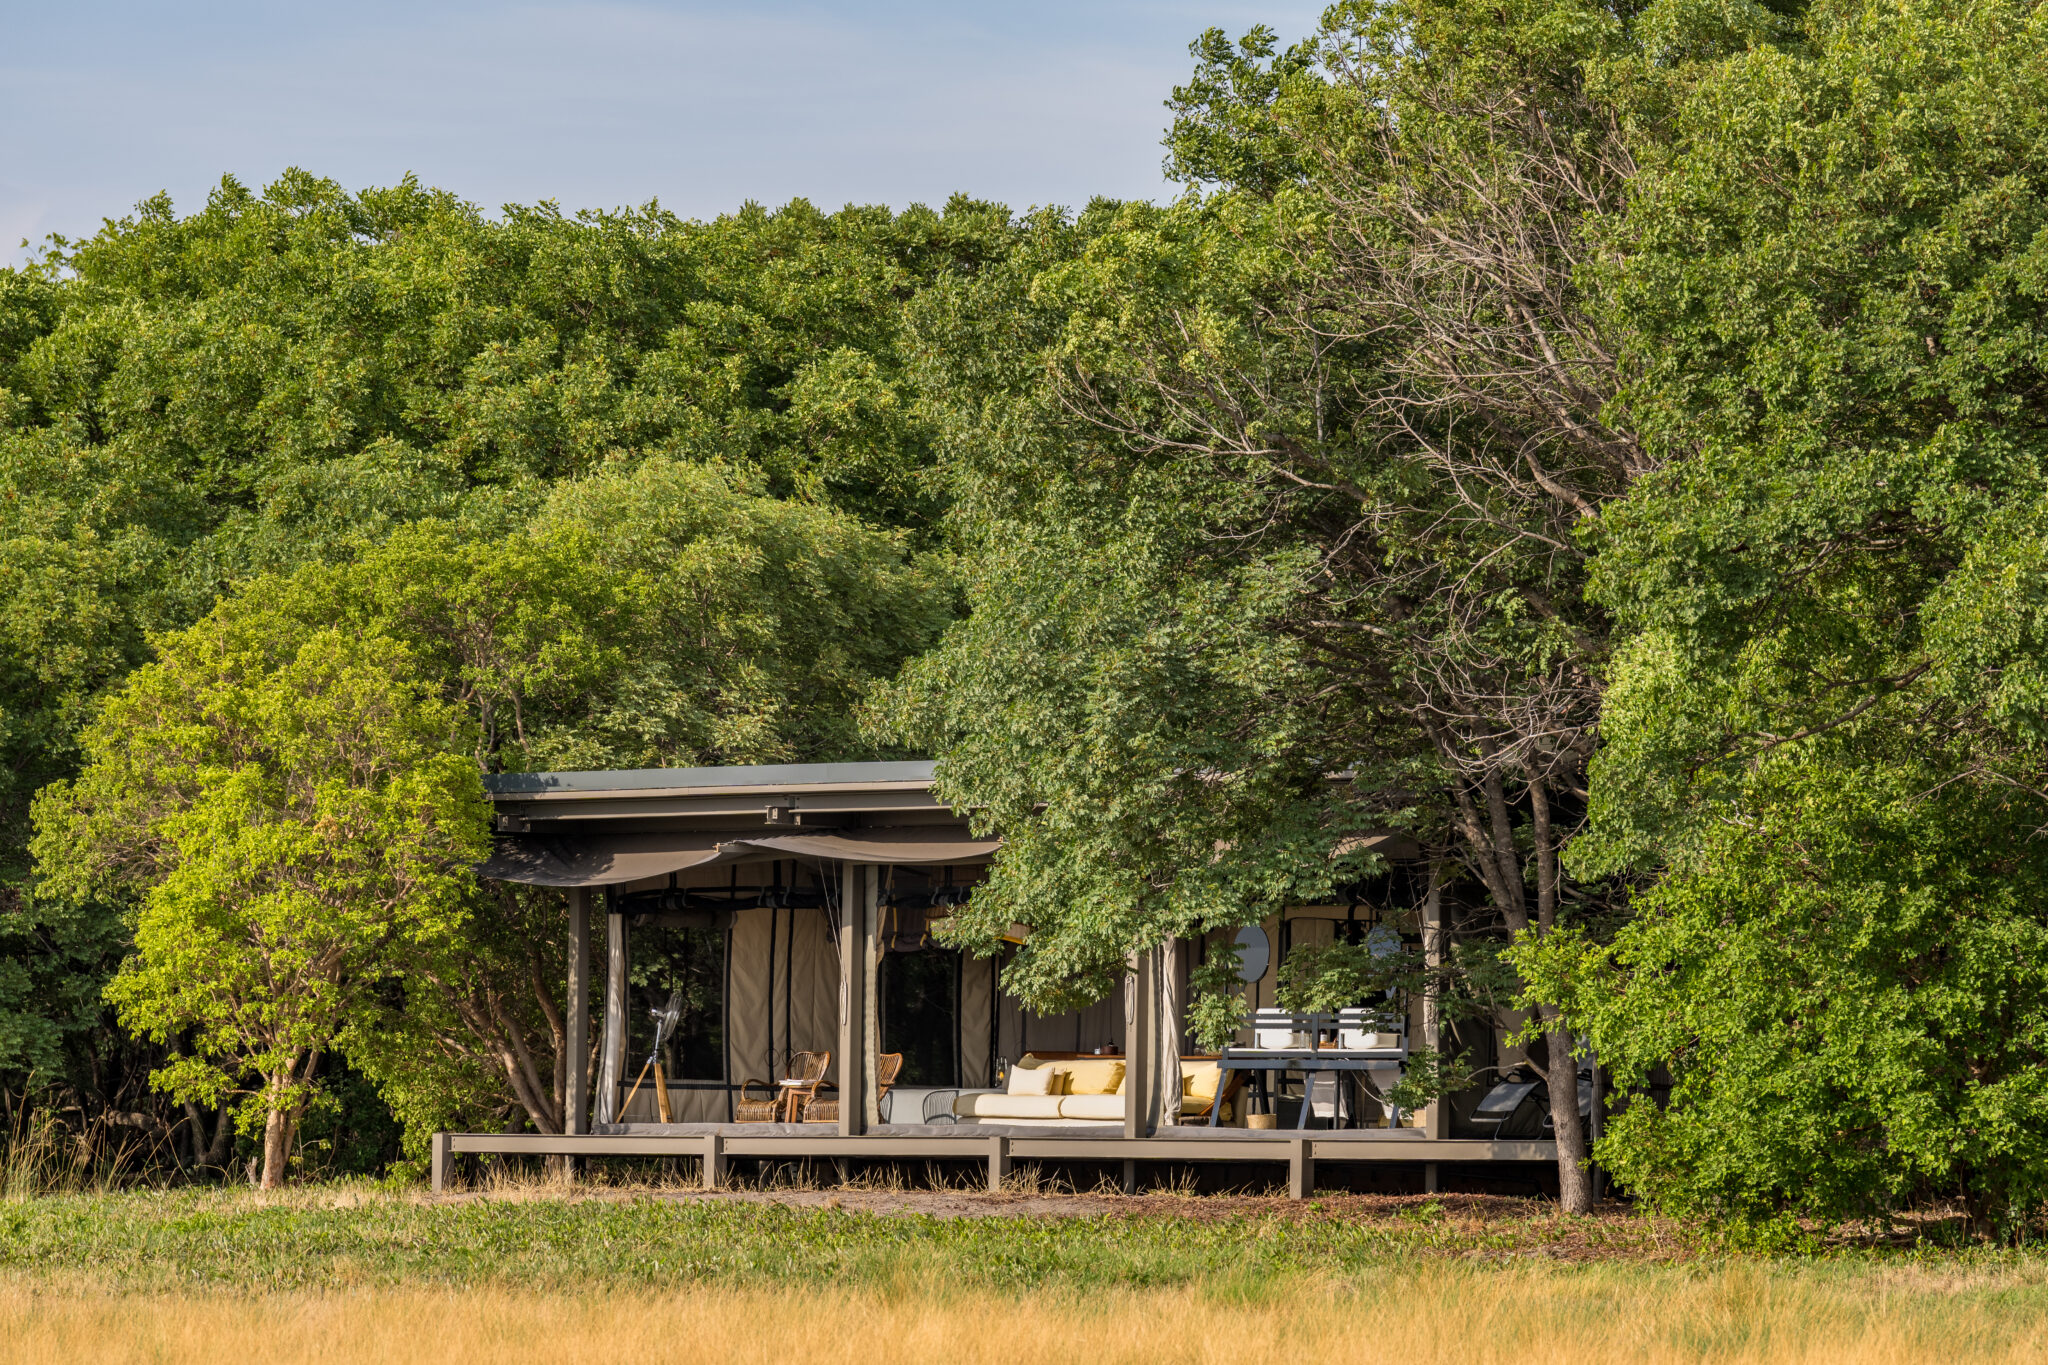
[(1130, 1177), (714, 1161), (612, 1063), (853, 1008), (871, 992), (443, 1153), (1301, 1168), (1435, 1119), (998, 1163), (576, 1019), (1138, 994), (1429, 1177)]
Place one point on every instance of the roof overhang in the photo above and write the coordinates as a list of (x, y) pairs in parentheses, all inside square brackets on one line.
[(790, 793)]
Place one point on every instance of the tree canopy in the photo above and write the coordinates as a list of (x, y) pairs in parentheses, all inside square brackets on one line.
[(1601, 444), (627, 490)]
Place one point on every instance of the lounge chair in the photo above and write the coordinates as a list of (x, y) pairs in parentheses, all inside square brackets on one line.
[(824, 1108), (776, 1102)]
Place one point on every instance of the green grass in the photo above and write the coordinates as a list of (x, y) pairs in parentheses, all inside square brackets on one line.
[(358, 1236), (356, 1275), (190, 1238)]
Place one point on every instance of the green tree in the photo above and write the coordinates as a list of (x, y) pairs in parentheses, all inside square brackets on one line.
[(288, 377), (655, 613), (658, 613), (1287, 479), (295, 808), (1821, 742)]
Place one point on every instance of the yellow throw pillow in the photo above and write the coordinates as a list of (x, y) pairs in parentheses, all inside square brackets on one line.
[(1093, 1075), (1034, 1080), (1200, 1080)]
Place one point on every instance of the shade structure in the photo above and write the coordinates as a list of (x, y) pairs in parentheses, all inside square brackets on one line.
[(609, 859), (903, 847), (597, 859)]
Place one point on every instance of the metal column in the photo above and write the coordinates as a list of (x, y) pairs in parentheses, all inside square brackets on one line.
[(1138, 1005), (576, 1016)]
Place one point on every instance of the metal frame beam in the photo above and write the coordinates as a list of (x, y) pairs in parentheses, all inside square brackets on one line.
[(735, 1141), (576, 1017)]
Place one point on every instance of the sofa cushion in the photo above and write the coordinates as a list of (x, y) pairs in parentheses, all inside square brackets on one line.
[(1199, 1080), (1007, 1106), (1092, 1075), (1034, 1080), (1098, 1107)]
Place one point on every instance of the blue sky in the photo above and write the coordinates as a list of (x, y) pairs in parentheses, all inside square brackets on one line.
[(594, 105)]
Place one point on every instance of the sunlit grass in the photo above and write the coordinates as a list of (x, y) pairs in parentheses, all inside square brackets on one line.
[(349, 1274), (1520, 1316)]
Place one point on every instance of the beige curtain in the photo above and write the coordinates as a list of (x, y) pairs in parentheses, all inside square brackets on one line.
[(871, 1029), (1164, 1109)]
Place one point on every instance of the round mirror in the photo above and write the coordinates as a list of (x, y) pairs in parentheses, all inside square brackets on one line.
[(1253, 953)]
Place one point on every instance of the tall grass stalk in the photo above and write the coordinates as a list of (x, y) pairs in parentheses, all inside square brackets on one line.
[(1448, 1315)]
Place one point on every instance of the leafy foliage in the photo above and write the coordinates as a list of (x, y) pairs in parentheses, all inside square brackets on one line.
[(601, 477), (294, 808), (1821, 738)]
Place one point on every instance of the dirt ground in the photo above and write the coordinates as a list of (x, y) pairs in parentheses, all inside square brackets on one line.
[(1465, 1210)]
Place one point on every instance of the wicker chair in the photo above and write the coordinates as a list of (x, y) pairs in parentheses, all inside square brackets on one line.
[(825, 1108), (807, 1068)]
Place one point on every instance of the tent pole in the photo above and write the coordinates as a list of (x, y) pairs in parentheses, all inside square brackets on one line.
[(1138, 1007), (613, 1064), (576, 1017)]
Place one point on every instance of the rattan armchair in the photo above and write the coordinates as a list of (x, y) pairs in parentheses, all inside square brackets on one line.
[(824, 1108), (776, 1103)]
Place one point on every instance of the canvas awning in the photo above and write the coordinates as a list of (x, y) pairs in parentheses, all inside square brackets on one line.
[(597, 859), (609, 859), (899, 846)]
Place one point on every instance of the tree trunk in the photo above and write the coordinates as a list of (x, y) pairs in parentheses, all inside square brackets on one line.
[(223, 1144), (195, 1135), (1574, 1175), (277, 1149)]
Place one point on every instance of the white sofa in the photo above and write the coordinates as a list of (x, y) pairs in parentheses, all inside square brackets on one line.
[(1085, 1073), (1039, 1109), (1081, 1090)]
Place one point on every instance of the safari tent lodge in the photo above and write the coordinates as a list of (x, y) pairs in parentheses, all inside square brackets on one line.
[(773, 989)]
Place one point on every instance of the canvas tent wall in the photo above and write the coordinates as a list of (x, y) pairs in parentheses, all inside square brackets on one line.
[(779, 969)]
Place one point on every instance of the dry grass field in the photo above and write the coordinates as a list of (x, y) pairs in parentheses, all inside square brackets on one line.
[(359, 1275), (1448, 1315)]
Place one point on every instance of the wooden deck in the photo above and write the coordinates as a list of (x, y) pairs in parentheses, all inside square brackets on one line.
[(998, 1146)]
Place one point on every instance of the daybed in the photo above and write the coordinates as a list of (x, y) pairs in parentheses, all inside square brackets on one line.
[(1069, 1088)]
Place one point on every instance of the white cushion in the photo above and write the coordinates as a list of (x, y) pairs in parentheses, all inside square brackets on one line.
[(1034, 1081), (1358, 1040), (1008, 1106), (1092, 1107)]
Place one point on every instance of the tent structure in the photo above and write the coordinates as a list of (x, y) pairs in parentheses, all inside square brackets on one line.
[(791, 872), (767, 911)]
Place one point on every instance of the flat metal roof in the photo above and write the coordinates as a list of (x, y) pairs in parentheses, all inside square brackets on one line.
[(765, 776)]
